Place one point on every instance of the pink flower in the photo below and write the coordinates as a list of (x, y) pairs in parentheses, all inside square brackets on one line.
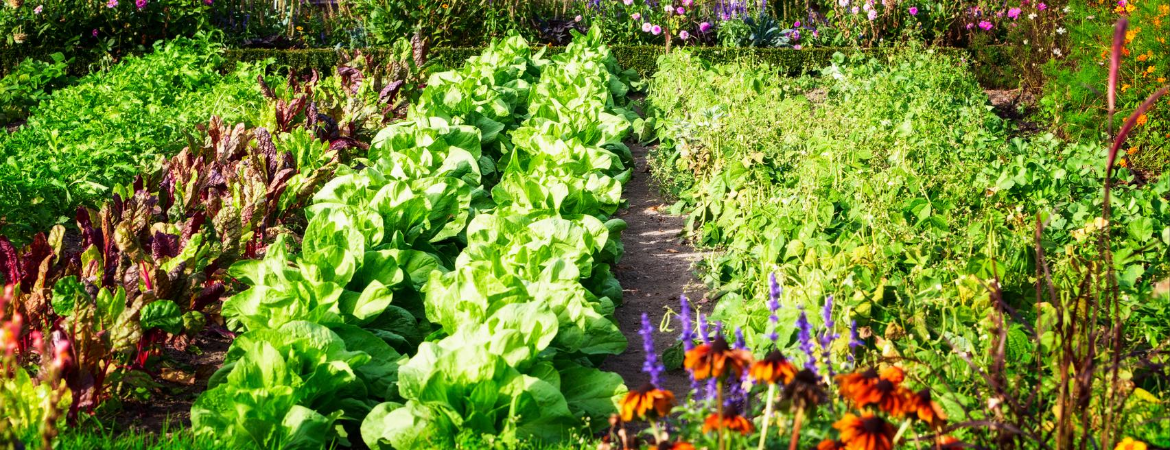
[(112, 4), (578, 18), (1041, 6), (636, 16), (688, 3), (680, 11), (646, 27), (140, 3), (656, 30), (38, 9), (684, 35), (1014, 13), (94, 32), (797, 47), (985, 25), (913, 10), (704, 27), (796, 25), (628, 2), (872, 14)]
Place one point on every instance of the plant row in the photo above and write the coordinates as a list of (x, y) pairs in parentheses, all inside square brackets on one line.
[(459, 282), (886, 190), (84, 140), (147, 269)]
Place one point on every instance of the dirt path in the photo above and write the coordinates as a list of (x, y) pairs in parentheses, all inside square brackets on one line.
[(656, 269)]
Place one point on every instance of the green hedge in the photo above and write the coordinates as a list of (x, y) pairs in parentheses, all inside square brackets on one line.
[(992, 65)]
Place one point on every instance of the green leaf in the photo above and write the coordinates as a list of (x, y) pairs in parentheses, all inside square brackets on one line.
[(162, 314)]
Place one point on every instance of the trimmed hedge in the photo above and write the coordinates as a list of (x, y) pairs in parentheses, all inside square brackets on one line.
[(992, 64)]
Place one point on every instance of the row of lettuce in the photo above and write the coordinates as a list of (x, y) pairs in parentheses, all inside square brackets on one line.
[(886, 194), (458, 282), (146, 270)]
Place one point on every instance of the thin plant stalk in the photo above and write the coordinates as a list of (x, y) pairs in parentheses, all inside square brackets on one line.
[(767, 414), (796, 422), (719, 411)]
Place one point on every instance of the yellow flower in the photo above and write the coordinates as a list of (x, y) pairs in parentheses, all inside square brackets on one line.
[(1150, 69), (1161, 80), (300, 28), (1130, 444), (1124, 87), (1143, 58), (1164, 9), (1142, 119)]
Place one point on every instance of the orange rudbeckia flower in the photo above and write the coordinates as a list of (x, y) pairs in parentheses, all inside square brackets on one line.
[(717, 359), (647, 402), (829, 444), (666, 445), (923, 407), (730, 419), (949, 443), (867, 432), (773, 369), (1130, 444), (871, 388)]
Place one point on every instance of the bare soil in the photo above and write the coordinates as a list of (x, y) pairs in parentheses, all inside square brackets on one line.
[(656, 269), (181, 379)]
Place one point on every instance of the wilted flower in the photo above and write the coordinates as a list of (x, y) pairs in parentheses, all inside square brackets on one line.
[(805, 389)]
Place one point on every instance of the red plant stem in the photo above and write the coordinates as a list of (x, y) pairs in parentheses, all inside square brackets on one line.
[(796, 421)]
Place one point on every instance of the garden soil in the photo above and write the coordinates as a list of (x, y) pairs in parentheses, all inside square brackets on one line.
[(656, 269)]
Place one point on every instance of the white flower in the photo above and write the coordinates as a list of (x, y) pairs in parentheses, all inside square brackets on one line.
[(1056, 51), (1060, 30), (1025, 42), (1067, 9), (1032, 16)]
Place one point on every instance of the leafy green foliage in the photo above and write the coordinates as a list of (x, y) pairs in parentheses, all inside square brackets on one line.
[(90, 137), (29, 84), (889, 185)]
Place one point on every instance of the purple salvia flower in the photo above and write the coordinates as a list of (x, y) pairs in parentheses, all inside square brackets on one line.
[(703, 334), (827, 312), (854, 340), (740, 343), (688, 331), (712, 389), (806, 344), (652, 366), (774, 292)]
